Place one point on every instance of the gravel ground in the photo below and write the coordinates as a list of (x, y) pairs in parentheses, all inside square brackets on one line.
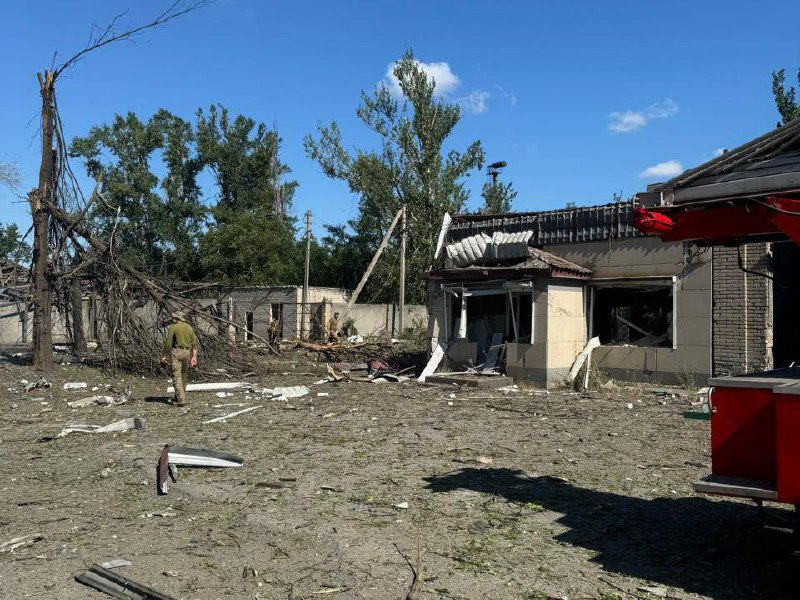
[(484, 494)]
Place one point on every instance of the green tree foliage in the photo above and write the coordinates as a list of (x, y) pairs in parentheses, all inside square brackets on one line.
[(250, 241), (785, 101), (13, 248), (162, 224), (410, 166), (497, 198), (157, 230)]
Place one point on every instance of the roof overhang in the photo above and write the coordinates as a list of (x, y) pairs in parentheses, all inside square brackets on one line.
[(505, 273)]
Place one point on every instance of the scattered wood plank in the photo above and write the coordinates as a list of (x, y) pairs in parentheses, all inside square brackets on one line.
[(433, 363), (581, 358)]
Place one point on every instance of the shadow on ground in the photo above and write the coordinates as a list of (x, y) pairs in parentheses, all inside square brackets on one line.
[(718, 549)]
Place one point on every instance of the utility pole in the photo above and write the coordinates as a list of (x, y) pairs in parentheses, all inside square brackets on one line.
[(38, 199), (305, 276), (401, 321)]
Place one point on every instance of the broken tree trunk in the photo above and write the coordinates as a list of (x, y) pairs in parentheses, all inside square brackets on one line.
[(39, 199), (371, 266)]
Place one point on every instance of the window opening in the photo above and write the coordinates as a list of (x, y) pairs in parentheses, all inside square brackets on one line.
[(635, 316)]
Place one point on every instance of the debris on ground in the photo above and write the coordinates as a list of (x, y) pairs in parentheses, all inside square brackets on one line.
[(20, 542), (433, 363), (41, 383), (286, 393), (230, 415), (115, 427), (116, 563), (214, 387), (117, 586), (75, 385), (97, 401)]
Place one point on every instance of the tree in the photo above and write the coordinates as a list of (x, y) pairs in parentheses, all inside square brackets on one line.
[(409, 167), (156, 233), (497, 197), (13, 248), (250, 240), (9, 175), (55, 175), (785, 102)]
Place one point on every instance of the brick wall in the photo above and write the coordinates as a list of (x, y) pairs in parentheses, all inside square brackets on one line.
[(742, 319)]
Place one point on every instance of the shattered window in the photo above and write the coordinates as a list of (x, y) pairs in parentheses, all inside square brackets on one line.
[(638, 316)]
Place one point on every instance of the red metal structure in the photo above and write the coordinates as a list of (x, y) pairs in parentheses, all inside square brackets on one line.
[(749, 194)]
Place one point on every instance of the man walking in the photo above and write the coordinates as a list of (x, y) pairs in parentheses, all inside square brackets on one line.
[(181, 348), (333, 328)]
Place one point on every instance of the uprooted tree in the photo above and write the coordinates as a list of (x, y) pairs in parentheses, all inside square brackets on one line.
[(64, 249)]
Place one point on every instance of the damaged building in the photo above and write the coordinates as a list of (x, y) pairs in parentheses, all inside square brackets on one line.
[(534, 288)]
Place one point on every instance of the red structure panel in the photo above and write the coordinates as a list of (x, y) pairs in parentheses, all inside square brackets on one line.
[(743, 441), (788, 441)]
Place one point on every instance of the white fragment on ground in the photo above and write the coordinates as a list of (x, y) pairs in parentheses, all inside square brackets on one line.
[(630, 405), (231, 415), (508, 389), (322, 394), (214, 387), (402, 505), (223, 394), (95, 400), (116, 563), (296, 391), (75, 385), (115, 427), (20, 542)]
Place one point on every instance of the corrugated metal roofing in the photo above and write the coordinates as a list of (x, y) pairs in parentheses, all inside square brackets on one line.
[(581, 224)]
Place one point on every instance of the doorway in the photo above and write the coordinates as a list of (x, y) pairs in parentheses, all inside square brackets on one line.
[(785, 304)]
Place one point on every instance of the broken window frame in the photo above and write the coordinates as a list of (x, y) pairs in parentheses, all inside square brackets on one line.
[(512, 290), (670, 282)]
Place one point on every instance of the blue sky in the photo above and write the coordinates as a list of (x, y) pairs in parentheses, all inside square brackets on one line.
[(580, 98)]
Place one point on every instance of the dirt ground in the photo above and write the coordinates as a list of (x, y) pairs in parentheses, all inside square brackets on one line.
[(509, 495)]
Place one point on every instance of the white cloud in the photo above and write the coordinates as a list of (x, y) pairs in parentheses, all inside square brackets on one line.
[(666, 169), (626, 122), (631, 120), (475, 103), (446, 81), (662, 110)]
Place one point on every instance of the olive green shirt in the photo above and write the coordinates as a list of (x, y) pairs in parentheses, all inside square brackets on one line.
[(180, 335)]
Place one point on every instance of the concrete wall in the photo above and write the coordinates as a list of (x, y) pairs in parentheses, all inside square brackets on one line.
[(559, 334), (742, 311), (371, 319), (647, 257), (11, 323), (566, 328)]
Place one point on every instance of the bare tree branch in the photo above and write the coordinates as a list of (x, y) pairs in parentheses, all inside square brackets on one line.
[(100, 37)]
